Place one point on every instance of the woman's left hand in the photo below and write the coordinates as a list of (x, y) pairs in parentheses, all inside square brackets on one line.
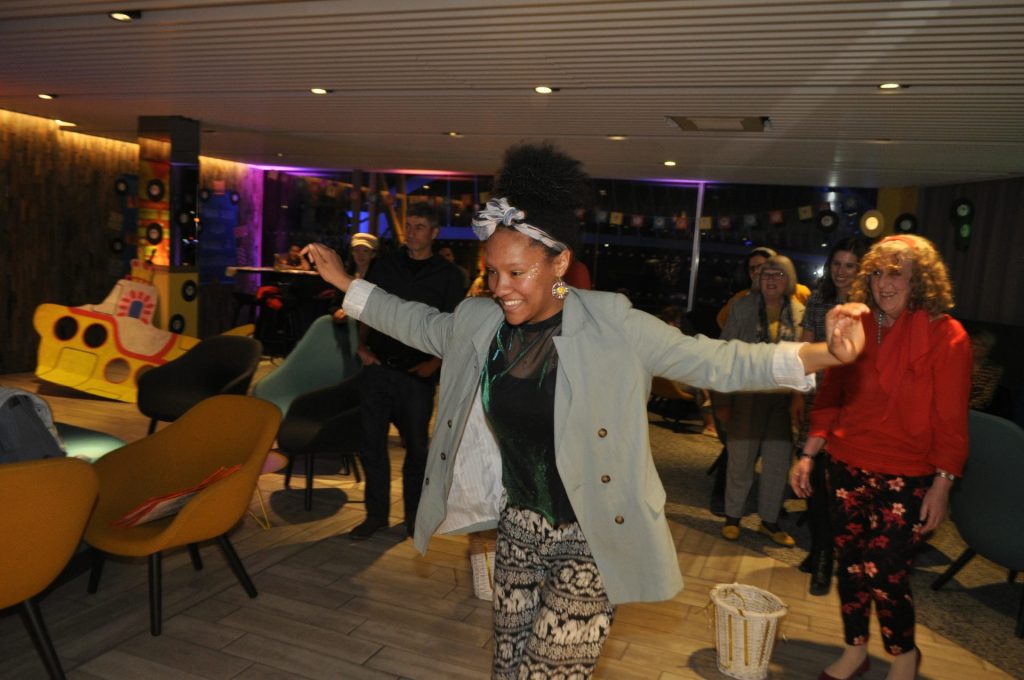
[(935, 505)]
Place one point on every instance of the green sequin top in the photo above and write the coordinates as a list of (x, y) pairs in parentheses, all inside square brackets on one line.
[(519, 402)]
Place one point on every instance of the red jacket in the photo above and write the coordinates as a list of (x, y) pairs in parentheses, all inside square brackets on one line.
[(901, 408)]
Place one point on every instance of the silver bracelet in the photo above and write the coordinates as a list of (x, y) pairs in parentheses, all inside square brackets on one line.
[(945, 475)]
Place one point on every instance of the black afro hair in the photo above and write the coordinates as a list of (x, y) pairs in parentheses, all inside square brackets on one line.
[(547, 185)]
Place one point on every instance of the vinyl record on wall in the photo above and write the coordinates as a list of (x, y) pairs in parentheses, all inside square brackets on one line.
[(827, 221), (204, 194), (121, 186), (872, 223), (189, 290), (176, 324), (962, 217), (235, 198), (906, 223), (116, 245), (155, 190), (154, 233)]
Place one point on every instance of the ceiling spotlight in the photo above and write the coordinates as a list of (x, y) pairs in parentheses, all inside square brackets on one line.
[(670, 164), (617, 138), (891, 86), (44, 95), (126, 15), (544, 89), (453, 133), (279, 154), (320, 90), (64, 123)]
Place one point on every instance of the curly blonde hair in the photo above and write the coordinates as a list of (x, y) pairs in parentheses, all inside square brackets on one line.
[(930, 288)]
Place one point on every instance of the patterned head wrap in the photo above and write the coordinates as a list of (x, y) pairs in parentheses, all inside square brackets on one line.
[(499, 212)]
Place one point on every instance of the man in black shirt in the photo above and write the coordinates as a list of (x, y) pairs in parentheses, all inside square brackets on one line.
[(398, 381)]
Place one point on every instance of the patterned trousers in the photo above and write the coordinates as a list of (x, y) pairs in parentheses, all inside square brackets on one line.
[(877, 528), (551, 612)]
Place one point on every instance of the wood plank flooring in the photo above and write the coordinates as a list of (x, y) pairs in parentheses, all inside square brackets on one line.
[(330, 607)]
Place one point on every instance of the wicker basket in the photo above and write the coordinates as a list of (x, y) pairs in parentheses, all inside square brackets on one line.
[(746, 621), (481, 558)]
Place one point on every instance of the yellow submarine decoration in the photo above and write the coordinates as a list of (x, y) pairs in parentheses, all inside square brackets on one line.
[(103, 349)]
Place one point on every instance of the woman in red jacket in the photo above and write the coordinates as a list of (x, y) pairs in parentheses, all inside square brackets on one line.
[(895, 425)]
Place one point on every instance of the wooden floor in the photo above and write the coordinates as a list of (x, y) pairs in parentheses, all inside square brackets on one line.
[(334, 608)]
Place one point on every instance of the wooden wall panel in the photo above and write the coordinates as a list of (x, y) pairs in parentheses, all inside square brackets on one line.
[(56, 199)]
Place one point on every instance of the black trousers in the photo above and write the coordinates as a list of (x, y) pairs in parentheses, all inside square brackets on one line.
[(392, 395)]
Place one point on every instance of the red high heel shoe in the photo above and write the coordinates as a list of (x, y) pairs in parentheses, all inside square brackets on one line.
[(861, 670)]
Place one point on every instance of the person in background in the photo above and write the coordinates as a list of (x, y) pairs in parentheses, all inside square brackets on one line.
[(447, 253), (895, 425), (292, 259), (578, 276), (542, 428), (840, 270), (760, 421), (398, 380), (362, 250), (675, 316), (756, 258)]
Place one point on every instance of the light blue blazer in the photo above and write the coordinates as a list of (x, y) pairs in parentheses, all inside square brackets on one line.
[(607, 354)]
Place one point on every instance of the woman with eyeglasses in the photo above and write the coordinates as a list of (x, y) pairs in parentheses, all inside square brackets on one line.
[(760, 421), (895, 426)]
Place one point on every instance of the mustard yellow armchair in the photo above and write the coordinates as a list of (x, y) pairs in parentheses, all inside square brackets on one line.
[(46, 506), (220, 431)]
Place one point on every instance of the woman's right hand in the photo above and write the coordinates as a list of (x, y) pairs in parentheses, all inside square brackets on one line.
[(328, 265), (800, 476)]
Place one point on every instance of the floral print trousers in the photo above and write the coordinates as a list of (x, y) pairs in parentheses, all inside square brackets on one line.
[(877, 528)]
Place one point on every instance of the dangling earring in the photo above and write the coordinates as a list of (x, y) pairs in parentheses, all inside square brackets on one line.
[(560, 289)]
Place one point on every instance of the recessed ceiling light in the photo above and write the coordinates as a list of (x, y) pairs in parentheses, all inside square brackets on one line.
[(126, 15), (64, 123), (545, 89), (891, 86), (45, 95), (425, 186), (320, 90), (279, 154), (453, 133), (670, 164), (617, 138)]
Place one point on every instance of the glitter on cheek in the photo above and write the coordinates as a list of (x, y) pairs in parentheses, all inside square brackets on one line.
[(532, 272)]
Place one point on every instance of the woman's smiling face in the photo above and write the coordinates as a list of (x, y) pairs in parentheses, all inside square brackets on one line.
[(890, 287), (520, 274)]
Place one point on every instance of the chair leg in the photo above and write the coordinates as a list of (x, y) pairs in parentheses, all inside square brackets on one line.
[(1019, 631), (98, 559), (37, 629), (1011, 576), (288, 472), (307, 501), (152, 426), (236, 565), (957, 565), (197, 560), (155, 613)]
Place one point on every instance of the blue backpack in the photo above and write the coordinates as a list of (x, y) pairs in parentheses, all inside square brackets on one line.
[(27, 431)]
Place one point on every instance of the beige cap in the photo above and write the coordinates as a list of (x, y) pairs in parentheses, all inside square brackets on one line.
[(368, 240)]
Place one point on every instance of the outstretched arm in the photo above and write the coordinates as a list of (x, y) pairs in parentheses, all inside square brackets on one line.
[(328, 265), (845, 338)]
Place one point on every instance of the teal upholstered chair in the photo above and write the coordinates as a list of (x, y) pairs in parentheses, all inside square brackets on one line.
[(987, 504), (325, 355)]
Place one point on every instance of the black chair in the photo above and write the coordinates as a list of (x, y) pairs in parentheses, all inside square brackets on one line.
[(987, 504), (222, 364), (324, 421)]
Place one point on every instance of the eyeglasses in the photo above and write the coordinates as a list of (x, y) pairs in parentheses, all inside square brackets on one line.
[(772, 274)]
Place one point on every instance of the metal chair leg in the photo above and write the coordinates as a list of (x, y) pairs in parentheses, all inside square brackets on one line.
[(152, 426), (155, 585), (98, 559), (957, 565), (307, 501), (197, 560), (1019, 631), (236, 565), (37, 630)]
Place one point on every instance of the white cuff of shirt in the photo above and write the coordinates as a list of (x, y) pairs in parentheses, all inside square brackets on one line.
[(787, 368), (356, 296)]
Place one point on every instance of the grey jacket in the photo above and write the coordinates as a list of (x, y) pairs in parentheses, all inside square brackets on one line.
[(607, 354)]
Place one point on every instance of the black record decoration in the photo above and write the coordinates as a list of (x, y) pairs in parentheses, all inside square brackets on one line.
[(189, 290), (154, 233), (155, 190), (116, 245), (204, 194), (906, 223), (235, 198), (176, 324), (961, 214), (827, 221), (121, 186)]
